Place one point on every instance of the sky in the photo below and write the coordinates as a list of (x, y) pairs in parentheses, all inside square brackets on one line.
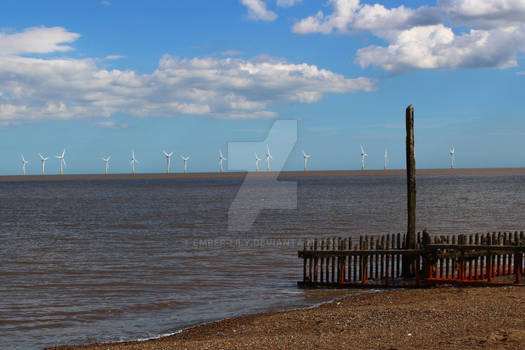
[(107, 77)]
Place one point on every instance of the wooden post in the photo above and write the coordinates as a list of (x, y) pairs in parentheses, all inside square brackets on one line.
[(321, 264), (343, 262), (327, 262), (333, 261), (339, 261), (364, 262), (387, 270), (304, 263), (349, 260), (408, 264), (517, 267), (316, 261), (360, 258), (398, 257), (489, 267)]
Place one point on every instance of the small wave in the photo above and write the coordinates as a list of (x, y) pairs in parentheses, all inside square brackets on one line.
[(44, 326), (154, 306)]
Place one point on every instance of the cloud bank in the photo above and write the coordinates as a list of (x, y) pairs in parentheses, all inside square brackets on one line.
[(420, 38), (34, 88)]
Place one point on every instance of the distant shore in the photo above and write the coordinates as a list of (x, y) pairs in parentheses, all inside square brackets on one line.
[(261, 174), (437, 318)]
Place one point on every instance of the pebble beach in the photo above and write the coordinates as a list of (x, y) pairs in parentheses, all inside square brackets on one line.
[(436, 318)]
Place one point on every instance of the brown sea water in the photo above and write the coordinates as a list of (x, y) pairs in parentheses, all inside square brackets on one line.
[(93, 260)]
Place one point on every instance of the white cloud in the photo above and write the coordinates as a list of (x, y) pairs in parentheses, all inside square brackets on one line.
[(111, 124), (231, 53), (66, 88), (518, 73), (485, 13), (351, 16), (288, 3), (36, 40), (105, 3), (113, 57), (437, 47), (418, 39), (257, 10)]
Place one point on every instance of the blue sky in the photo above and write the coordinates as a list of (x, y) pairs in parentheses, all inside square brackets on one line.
[(105, 77)]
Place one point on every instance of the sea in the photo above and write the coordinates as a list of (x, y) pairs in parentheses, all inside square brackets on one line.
[(105, 260)]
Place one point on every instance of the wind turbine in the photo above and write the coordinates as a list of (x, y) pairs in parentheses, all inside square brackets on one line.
[(168, 160), (221, 158), (306, 156), (185, 159), (133, 161), (257, 159), (268, 157), (452, 157), (106, 160), (363, 156), (62, 161), (386, 158), (24, 162), (43, 163)]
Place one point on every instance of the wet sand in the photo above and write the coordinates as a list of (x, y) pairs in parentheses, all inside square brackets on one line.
[(438, 318), (281, 175)]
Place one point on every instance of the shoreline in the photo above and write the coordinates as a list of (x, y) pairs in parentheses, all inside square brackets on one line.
[(262, 175), (445, 317)]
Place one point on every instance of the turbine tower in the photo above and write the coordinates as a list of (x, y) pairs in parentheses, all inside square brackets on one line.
[(306, 156), (24, 162), (221, 158), (106, 160), (133, 161), (168, 160), (43, 163), (452, 157), (185, 159), (62, 161), (257, 159), (363, 156), (268, 157), (386, 159)]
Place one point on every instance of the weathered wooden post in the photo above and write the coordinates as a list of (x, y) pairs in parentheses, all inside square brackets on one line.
[(410, 243), (517, 267)]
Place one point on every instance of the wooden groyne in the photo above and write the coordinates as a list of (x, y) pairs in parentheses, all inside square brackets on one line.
[(412, 259), (377, 261)]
